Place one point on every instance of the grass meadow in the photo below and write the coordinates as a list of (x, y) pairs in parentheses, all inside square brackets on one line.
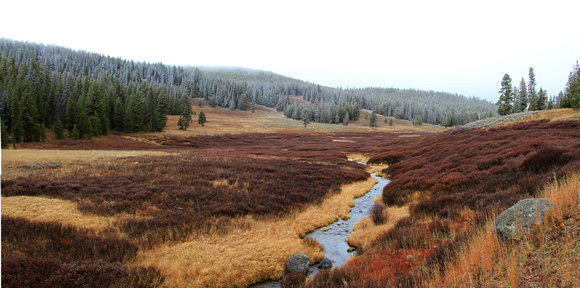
[(226, 204)]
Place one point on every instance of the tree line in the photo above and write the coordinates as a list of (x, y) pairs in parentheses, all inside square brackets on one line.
[(33, 98), (525, 97), (47, 86)]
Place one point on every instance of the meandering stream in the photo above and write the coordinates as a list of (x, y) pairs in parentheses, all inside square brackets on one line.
[(334, 236)]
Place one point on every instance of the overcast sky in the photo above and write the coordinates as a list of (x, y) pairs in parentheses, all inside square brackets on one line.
[(461, 47)]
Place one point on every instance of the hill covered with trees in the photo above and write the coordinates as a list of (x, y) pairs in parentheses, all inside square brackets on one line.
[(89, 94)]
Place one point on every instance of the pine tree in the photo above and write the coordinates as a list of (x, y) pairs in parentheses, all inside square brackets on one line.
[(542, 99), (133, 114), (253, 107), (75, 134), (523, 96), (201, 120), (572, 94), (118, 115), (506, 97), (5, 138), (59, 130), (532, 94), (533, 102), (243, 102), (373, 120), (185, 112), (305, 119), (391, 122)]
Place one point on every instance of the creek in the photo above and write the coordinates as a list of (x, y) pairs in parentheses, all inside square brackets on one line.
[(334, 237)]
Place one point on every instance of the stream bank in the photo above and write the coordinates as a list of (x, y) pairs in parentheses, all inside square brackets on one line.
[(334, 237)]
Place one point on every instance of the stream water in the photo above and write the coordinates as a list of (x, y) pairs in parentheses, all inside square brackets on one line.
[(334, 236)]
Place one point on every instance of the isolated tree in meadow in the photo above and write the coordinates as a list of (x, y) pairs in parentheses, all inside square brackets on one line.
[(305, 119), (390, 121), (373, 120), (505, 96), (201, 120)]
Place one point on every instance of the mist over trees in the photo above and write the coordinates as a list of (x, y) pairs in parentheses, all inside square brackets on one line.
[(91, 94)]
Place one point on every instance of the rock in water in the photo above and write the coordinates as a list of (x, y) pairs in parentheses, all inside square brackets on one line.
[(519, 219), (325, 264), (298, 263)]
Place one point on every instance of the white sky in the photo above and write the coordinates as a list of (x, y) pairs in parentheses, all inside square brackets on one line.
[(461, 47)]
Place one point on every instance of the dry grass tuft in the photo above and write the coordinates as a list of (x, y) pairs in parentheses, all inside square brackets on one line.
[(366, 232)]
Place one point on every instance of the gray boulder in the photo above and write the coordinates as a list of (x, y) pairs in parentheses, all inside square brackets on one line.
[(519, 219), (298, 263), (325, 264)]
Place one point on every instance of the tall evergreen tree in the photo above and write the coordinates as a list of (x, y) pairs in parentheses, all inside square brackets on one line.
[(373, 120), (133, 113), (523, 96), (572, 94), (185, 112), (542, 99), (506, 97), (532, 94), (5, 138)]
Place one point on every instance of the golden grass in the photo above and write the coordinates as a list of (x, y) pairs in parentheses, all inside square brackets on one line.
[(267, 120), (72, 161), (365, 231), (484, 261), (248, 255), (47, 209), (559, 114), (24, 156)]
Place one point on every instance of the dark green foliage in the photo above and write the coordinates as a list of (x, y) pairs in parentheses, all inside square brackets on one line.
[(223, 87), (185, 112), (542, 99), (75, 134), (305, 119), (373, 120), (390, 121), (5, 138), (201, 120), (572, 96), (59, 130), (505, 96), (243, 102), (522, 96)]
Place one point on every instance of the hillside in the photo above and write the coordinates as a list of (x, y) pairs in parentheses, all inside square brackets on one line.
[(58, 81)]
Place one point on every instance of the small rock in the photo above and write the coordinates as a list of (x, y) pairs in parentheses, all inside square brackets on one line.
[(298, 263), (324, 229), (325, 264), (409, 257)]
